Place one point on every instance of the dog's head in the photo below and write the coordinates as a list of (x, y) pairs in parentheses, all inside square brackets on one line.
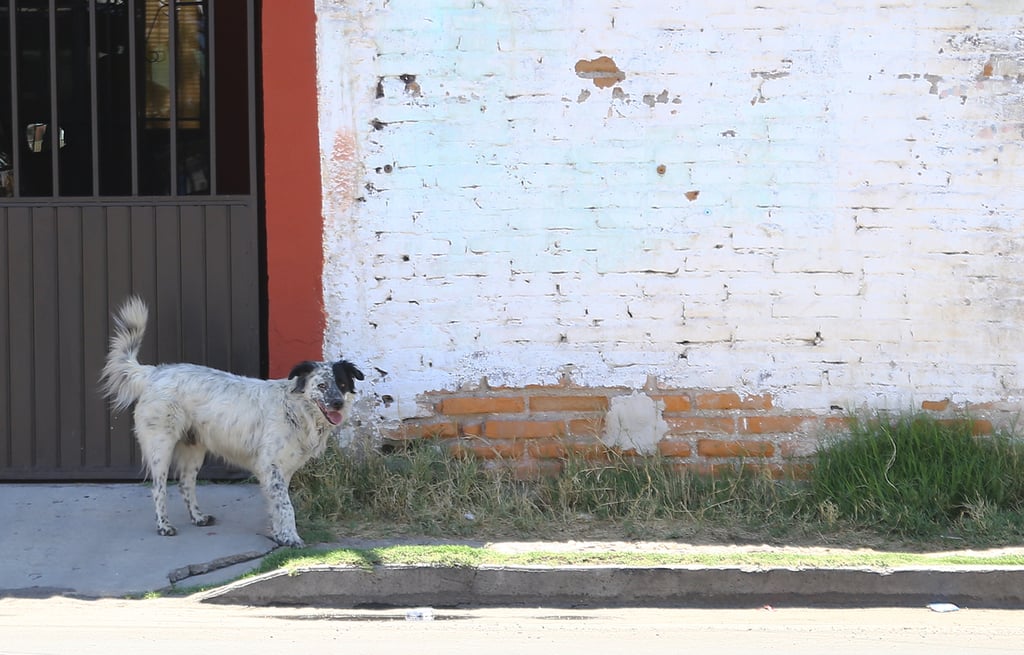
[(329, 385)]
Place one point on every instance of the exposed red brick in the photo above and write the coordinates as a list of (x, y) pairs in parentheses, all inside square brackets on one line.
[(531, 469), (679, 464), (935, 405), (978, 426), (568, 404), (473, 405), (730, 400), (838, 423), (710, 469), (734, 448), (702, 424), (524, 469), (764, 401), (543, 448), (761, 469), (982, 426), (460, 449), (496, 449), (593, 450), (798, 448), (674, 448), (796, 471), (675, 403), (586, 426), (772, 424), (447, 429), (523, 429)]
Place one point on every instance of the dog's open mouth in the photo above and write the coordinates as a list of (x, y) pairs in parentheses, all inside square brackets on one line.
[(333, 416)]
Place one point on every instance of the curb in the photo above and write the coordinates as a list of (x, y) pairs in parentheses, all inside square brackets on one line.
[(610, 586)]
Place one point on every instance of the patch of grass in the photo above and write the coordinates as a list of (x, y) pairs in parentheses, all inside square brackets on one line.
[(446, 555), (467, 556), (645, 494), (918, 477), (910, 481), (427, 491)]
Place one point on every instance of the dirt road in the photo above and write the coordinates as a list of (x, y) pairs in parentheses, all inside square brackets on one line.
[(60, 625)]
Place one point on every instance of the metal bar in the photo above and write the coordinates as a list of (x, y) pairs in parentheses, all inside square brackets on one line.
[(94, 99), (255, 194), (118, 201), (133, 96), (211, 91), (16, 134), (172, 81), (54, 129), (253, 162)]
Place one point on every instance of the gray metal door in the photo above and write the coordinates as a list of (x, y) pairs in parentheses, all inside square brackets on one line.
[(127, 165)]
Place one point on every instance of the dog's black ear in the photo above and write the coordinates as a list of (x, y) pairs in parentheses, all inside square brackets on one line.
[(344, 373), (352, 370), (301, 370)]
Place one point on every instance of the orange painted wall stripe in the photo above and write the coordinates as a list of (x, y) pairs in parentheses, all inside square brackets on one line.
[(292, 193)]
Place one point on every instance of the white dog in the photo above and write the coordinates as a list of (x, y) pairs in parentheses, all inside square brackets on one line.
[(182, 411)]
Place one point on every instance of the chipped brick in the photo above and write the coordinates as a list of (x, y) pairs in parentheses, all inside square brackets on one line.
[(734, 448)]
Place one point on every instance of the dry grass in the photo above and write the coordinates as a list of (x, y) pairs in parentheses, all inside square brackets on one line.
[(426, 491)]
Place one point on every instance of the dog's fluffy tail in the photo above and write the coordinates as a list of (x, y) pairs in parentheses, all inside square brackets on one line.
[(124, 378)]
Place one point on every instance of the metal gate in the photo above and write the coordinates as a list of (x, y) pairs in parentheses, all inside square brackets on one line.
[(127, 165)]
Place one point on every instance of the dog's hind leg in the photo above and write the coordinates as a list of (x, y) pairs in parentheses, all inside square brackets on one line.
[(189, 459), (282, 514), (158, 452)]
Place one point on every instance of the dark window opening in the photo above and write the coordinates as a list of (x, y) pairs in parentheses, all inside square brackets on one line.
[(124, 97)]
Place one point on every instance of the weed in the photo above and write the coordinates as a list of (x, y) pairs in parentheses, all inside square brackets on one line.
[(914, 475), (909, 478), (468, 556), (427, 490)]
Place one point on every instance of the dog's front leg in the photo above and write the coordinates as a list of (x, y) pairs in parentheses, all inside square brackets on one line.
[(282, 514)]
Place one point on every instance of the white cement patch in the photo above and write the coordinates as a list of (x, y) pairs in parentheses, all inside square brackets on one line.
[(635, 421)]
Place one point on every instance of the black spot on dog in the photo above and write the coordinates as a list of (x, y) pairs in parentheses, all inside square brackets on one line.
[(345, 374), (301, 370)]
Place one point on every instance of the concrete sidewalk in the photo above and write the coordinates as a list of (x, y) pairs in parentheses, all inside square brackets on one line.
[(100, 540)]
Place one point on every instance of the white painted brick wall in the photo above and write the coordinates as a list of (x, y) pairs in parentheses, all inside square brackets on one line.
[(499, 216)]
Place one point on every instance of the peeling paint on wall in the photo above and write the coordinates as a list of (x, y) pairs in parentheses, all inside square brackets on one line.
[(341, 176), (758, 179), (602, 71)]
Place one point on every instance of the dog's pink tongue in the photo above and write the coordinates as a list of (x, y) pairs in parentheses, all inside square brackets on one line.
[(334, 417)]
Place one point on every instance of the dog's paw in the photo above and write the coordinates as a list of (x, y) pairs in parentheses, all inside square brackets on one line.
[(166, 530), (289, 541), (204, 520)]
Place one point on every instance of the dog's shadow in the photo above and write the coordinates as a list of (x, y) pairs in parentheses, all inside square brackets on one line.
[(427, 552), (291, 559)]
